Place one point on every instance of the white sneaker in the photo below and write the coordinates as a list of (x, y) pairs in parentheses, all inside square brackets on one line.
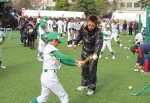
[(81, 88), (69, 45), (113, 57), (90, 92), (120, 45), (2, 67), (100, 56), (62, 37), (39, 59)]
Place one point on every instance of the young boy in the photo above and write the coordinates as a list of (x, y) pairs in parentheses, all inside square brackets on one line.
[(2, 39), (51, 64), (60, 24), (70, 32), (42, 41), (107, 41), (64, 24), (114, 32)]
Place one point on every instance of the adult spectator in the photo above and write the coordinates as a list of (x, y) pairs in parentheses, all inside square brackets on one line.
[(31, 33), (130, 28), (136, 26), (124, 27), (24, 31)]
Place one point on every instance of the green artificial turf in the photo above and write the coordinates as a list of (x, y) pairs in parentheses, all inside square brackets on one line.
[(20, 82)]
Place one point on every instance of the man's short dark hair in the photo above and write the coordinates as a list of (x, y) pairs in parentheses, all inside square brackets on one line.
[(93, 18)]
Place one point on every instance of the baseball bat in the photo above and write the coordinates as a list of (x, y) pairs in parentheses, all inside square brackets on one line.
[(89, 58)]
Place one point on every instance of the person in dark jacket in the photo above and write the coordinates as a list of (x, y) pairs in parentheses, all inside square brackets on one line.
[(130, 28), (136, 27), (124, 27), (31, 33), (24, 30), (92, 39), (20, 24), (142, 59)]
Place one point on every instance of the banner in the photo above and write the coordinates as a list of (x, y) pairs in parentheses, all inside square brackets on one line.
[(23, 10)]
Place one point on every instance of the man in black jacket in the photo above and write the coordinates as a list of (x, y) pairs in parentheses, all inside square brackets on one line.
[(136, 27), (124, 27), (92, 39)]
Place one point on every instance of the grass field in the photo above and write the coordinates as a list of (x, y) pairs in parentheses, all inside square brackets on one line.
[(20, 82)]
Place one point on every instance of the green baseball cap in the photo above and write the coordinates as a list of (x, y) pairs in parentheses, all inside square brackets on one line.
[(42, 24), (107, 26), (54, 35), (45, 17)]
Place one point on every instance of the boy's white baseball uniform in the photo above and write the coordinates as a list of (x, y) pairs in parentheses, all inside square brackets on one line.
[(70, 33), (103, 25), (48, 26), (42, 43), (107, 41), (77, 28), (115, 33), (64, 24), (51, 64), (60, 24), (139, 38), (51, 26), (2, 39)]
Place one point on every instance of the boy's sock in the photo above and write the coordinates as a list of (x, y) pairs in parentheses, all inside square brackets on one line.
[(112, 53), (34, 101), (40, 54), (118, 42), (0, 63), (65, 33), (101, 52), (61, 35), (68, 42)]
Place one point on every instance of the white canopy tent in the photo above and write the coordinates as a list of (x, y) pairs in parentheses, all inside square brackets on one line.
[(143, 19), (122, 16), (66, 14)]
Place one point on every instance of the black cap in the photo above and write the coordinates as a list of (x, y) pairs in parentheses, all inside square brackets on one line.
[(133, 48)]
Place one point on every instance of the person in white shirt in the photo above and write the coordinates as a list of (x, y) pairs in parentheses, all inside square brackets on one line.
[(77, 28), (114, 32), (138, 38), (70, 32), (65, 24), (82, 21), (107, 41), (2, 39), (103, 24), (38, 21), (60, 25)]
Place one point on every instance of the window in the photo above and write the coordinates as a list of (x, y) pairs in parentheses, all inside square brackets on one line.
[(136, 4), (129, 4), (122, 4)]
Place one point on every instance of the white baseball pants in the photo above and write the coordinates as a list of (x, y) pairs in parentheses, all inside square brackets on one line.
[(108, 44), (114, 35), (59, 30), (50, 83), (72, 35)]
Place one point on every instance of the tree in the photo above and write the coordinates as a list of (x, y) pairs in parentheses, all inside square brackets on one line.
[(144, 3), (62, 5), (102, 6), (87, 6)]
